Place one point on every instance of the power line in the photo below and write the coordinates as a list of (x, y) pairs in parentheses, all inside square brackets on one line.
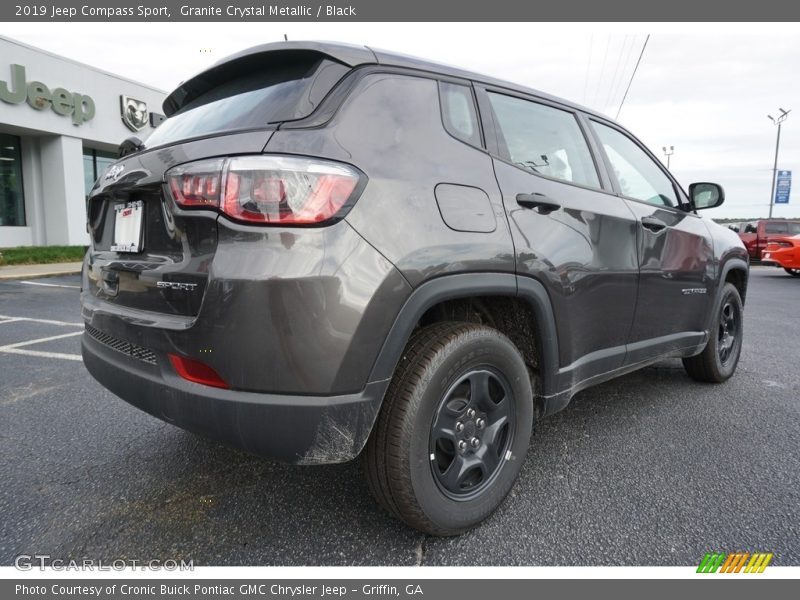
[(588, 67), (621, 80), (602, 72), (616, 72), (636, 68)]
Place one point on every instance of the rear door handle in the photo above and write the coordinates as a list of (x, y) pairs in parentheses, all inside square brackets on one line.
[(540, 202), (653, 224)]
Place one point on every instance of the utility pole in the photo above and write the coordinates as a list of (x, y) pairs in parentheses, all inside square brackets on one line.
[(778, 122), (668, 153)]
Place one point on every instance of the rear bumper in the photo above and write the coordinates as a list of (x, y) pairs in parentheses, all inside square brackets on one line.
[(291, 428), (300, 312), (778, 262)]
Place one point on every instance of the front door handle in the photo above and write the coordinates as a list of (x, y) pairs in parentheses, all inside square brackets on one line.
[(653, 224), (540, 202)]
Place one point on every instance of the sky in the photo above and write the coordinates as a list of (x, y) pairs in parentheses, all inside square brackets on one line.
[(705, 89)]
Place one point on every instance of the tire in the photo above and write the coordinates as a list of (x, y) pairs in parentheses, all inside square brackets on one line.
[(792, 272), (717, 362), (447, 371)]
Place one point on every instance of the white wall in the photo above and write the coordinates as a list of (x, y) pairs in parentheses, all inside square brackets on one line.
[(32, 189), (62, 191), (15, 236)]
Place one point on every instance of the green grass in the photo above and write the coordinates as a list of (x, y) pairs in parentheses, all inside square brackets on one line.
[(36, 255)]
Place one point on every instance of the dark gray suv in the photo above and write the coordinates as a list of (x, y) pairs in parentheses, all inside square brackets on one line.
[(328, 251)]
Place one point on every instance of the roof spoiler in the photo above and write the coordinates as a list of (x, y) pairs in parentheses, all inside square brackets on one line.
[(348, 55)]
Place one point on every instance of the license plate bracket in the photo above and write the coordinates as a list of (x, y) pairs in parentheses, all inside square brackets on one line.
[(128, 227)]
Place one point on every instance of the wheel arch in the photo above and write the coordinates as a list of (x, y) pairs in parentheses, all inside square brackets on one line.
[(736, 271), (448, 289)]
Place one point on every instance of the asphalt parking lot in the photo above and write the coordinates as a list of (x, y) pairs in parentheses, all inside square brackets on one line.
[(650, 469)]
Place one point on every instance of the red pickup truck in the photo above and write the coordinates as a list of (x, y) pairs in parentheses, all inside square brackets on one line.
[(756, 234)]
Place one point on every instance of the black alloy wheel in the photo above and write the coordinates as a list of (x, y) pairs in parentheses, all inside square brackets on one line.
[(472, 431), (730, 319), (718, 360), (454, 428)]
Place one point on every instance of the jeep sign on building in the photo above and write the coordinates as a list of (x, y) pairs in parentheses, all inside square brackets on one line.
[(60, 125)]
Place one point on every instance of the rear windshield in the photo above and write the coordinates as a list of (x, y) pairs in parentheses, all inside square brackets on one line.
[(252, 96)]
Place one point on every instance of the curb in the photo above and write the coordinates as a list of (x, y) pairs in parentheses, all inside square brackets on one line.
[(16, 276)]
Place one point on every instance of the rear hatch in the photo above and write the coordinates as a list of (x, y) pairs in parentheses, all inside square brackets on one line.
[(147, 253)]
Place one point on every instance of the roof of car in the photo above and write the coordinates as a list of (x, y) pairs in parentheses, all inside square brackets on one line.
[(353, 56)]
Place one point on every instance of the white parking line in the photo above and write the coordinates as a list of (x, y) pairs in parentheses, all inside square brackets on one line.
[(39, 340), (58, 285), (15, 348), (42, 354), (9, 319)]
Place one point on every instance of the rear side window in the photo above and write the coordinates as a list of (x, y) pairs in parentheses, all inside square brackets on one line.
[(775, 228), (751, 228), (638, 175), (458, 112), (792, 228), (543, 140), (247, 95)]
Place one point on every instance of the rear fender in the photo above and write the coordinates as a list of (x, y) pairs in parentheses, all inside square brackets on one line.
[(454, 287)]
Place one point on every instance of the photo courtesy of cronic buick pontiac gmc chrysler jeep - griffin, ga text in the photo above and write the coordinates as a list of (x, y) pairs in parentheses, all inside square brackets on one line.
[(330, 251)]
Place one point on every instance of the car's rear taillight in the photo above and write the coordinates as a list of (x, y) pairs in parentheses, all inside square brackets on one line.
[(196, 184), (266, 189), (774, 245)]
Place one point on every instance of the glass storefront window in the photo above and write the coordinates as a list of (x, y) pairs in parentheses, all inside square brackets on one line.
[(95, 163), (12, 200), (88, 171)]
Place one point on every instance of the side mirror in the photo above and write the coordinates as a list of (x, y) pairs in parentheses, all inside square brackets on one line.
[(706, 195)]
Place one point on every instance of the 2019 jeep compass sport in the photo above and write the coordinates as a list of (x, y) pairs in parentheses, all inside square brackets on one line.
[(329, 249)]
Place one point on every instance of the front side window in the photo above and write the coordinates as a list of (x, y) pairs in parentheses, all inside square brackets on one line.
[(544, 140), (638, 175), (12, 200)]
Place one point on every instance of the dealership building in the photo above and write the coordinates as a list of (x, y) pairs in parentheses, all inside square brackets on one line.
[(61, 123)]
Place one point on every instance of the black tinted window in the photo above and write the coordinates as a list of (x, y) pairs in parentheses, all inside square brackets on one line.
[(790, 228), (458, 112), (248, 100), (776, 228), (543, 140)]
